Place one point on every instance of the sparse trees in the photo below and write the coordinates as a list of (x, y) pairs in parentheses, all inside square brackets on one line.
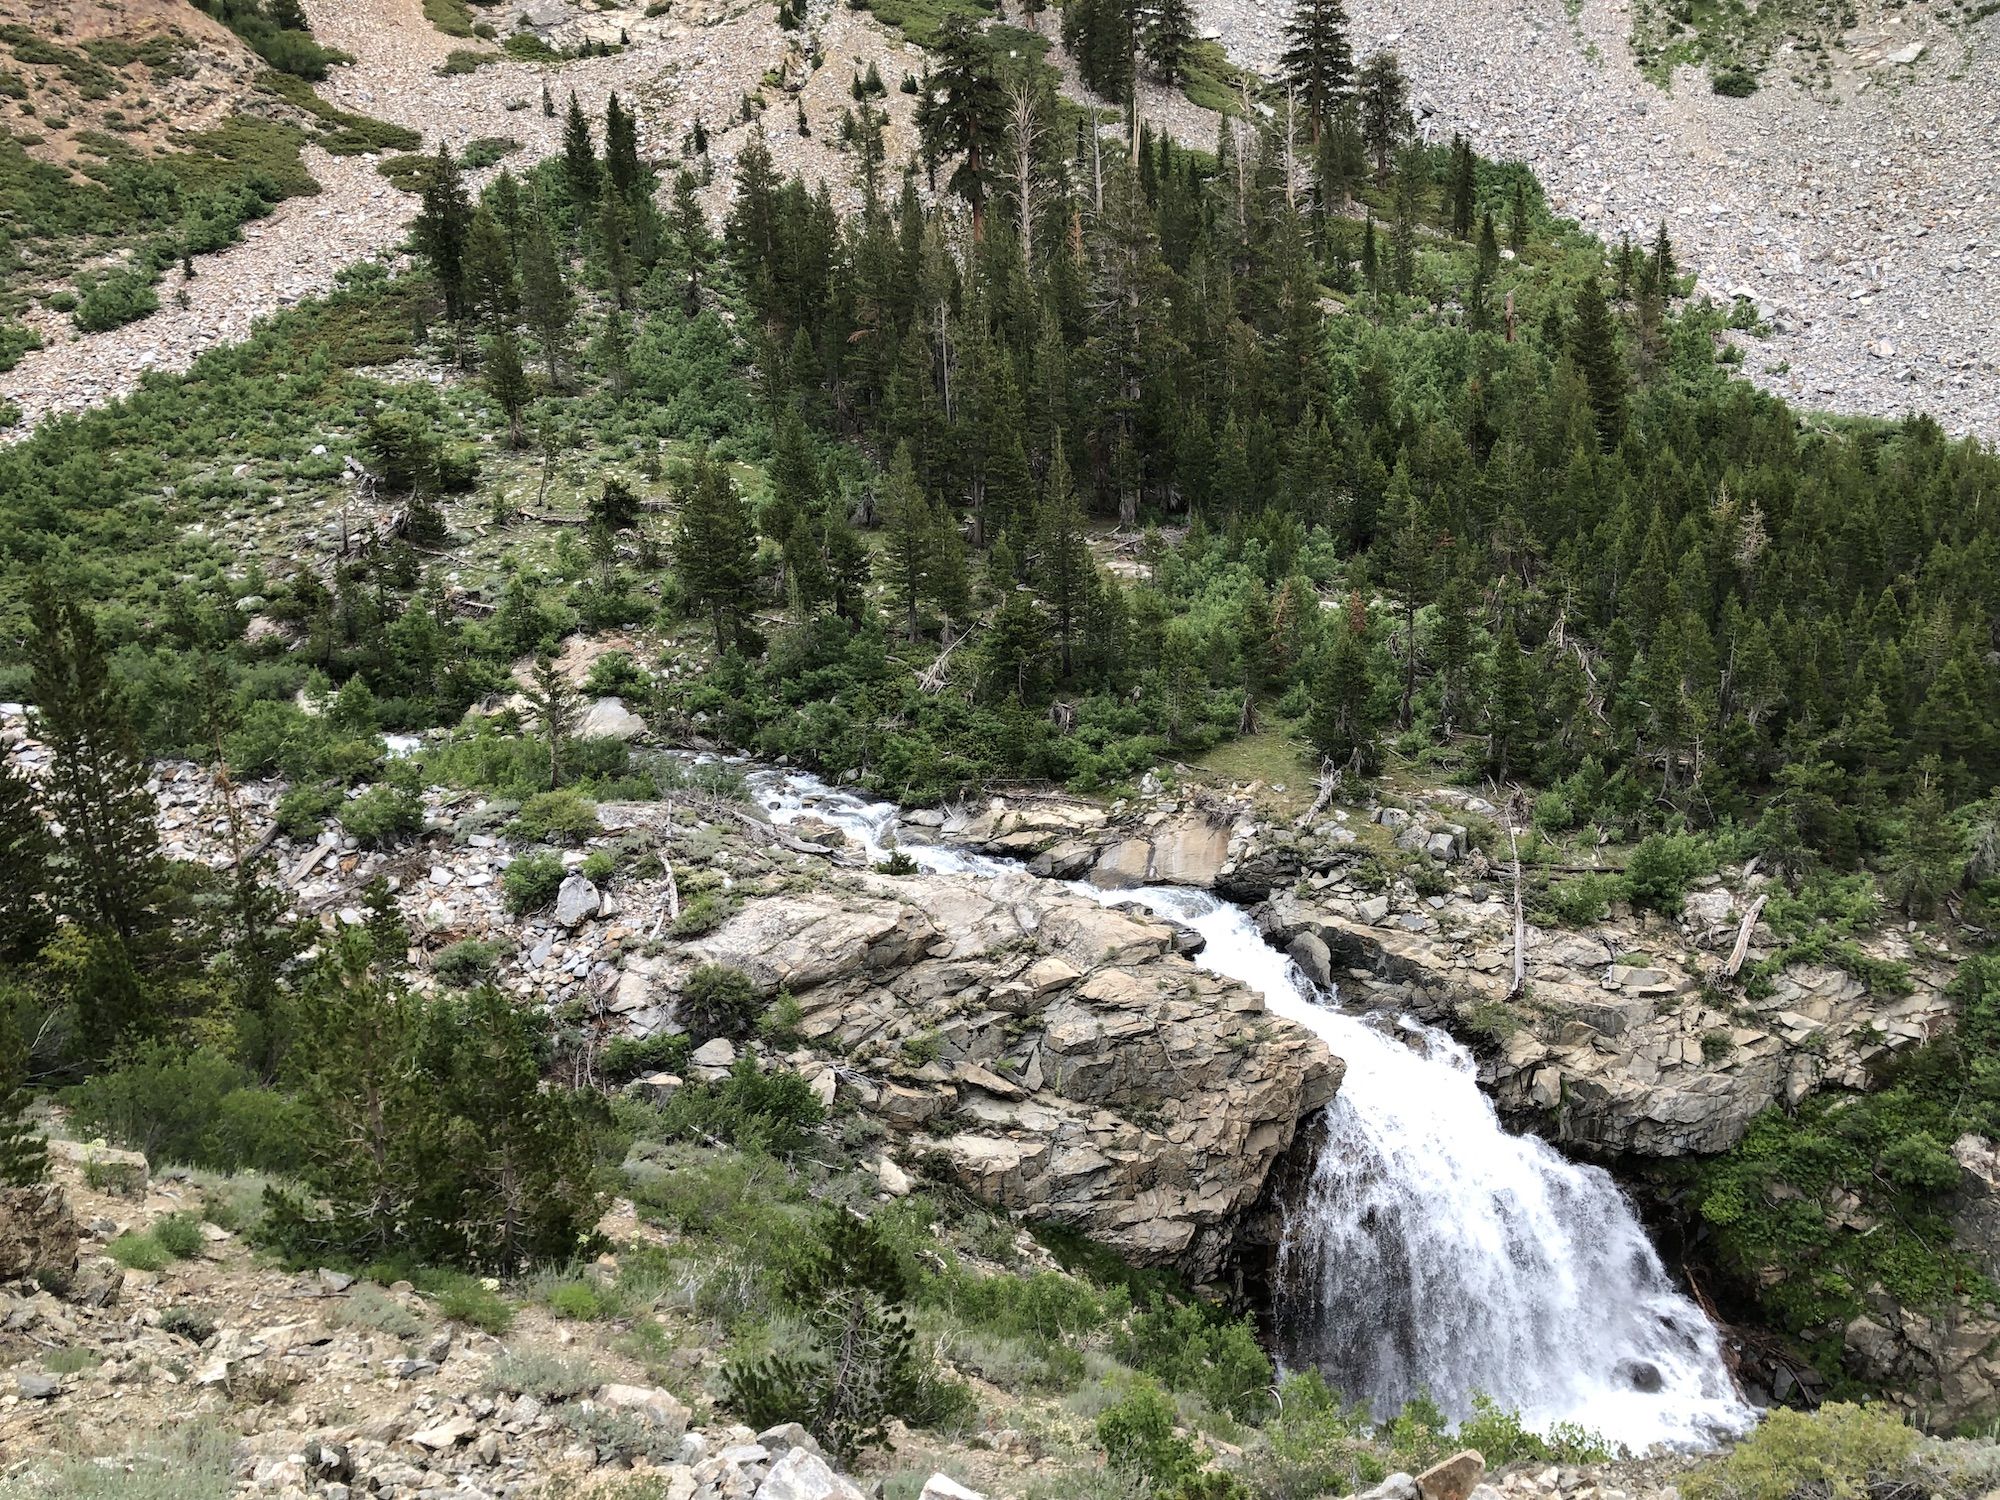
[(1317, 65)]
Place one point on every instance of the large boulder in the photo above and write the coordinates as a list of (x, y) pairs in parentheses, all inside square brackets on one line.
[(1056, 1057), (38, 1233)]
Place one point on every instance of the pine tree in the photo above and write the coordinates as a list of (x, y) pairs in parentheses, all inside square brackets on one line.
[(25, 852), (1384, 96), (1664, 268), (1464, 188), (1594, 346), (1169, 38), (580, 167), (1926, 863), (1517, 218), (621, 151), (906, 553), (1063, 569), (547, 303), (491, 292), (715, 552), (1342, 724), (441, 229), (108, 876), (554, 702), (1317, 65), (506, 382), (1511, 727), (1410, 574), (963, 111), (24, 1158)]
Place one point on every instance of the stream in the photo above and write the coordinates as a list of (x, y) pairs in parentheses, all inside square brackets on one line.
[(1432, 1250)]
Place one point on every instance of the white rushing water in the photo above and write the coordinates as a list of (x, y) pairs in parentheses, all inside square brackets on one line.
[(1432, 1250)]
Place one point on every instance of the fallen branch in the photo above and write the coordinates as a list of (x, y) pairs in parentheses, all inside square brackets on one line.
[(1328, 781), (1742, 947)]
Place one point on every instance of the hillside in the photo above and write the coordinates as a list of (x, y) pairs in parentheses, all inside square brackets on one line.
[(766, 752)]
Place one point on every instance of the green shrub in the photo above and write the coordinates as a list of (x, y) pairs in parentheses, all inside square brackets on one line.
[(1834, 1452), (186, 1322), (304, 809), (468, 962), (629, 1057), (114, 299), (859, 1363), (1664, 867), (1192, 1348), (383, 815), (702, 915), (179, 1235), (544, 1374), (750, 1109), (581, 1301), (1137, 1434), (531, 882), (558, 817), (194, 1108), (1581, 901), (172, 1237), (718, 1001)]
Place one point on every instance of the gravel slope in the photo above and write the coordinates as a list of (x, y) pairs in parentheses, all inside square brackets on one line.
[(1867, 216)]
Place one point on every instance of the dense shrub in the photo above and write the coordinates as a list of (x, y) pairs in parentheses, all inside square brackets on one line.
[(718, 1001), (558, 817), (383, 815), (1664, 868), (531, 882), (196, 1108), (1838, 1451)]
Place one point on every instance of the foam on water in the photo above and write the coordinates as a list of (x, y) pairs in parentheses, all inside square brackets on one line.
[(1432, 1250)]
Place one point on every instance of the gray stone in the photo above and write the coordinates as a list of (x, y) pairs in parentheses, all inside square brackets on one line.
[(104, 1167), (657, 1408), (575, 900), (944, 1487), (36, 1385), (1310, 953), (1398, 1486), (609, 718)]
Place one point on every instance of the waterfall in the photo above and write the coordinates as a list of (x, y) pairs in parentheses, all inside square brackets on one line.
[(1431, 1250)]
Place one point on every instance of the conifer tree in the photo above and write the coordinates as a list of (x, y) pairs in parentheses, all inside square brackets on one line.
[(715, 552), (1410, 573), (1342, 724), (1317, 65), (1517, 218), (621, 150), (1063, 569), (1665, 269), (1464, 188), (491, 293), (906, 554), (580, 166), (963, 112), (1510, 706), (547, 303), (692, 247), (108, 876), (1169, 38), (442, 227), (506, 382), (1384, 97), (1594, 346)]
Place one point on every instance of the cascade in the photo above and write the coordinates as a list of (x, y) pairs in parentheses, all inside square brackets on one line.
[(1430, 1250)]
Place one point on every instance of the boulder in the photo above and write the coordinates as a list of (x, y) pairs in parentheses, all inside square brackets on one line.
[(804, 1475), (1311, 954), (1453, 1478), (38, 1233), (609, 719), (657, 1408), (944, 1487), (576, 899), (1123, 865), (1189, 851)]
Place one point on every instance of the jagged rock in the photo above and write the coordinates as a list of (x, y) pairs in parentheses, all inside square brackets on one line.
[(106, 1167), (1053, 1020), (447, 1434), (98, 1282), (38, 1233), (1398, 1486), (895, 1181), (944, 1487), (803, 1475), (1312, 956), (1453, 1478), (780, 1440), (576, 899)]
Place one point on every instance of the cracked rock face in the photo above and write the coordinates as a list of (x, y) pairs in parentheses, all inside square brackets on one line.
[(1614, 1048), (1062, 1059)]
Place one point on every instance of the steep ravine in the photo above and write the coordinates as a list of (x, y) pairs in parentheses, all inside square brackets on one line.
[(1425, 1249)]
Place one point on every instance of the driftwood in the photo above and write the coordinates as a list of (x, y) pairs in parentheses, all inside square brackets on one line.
[(1743, 938), (1328, 781), (1520, 922), (775, 835), (933, 678)]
